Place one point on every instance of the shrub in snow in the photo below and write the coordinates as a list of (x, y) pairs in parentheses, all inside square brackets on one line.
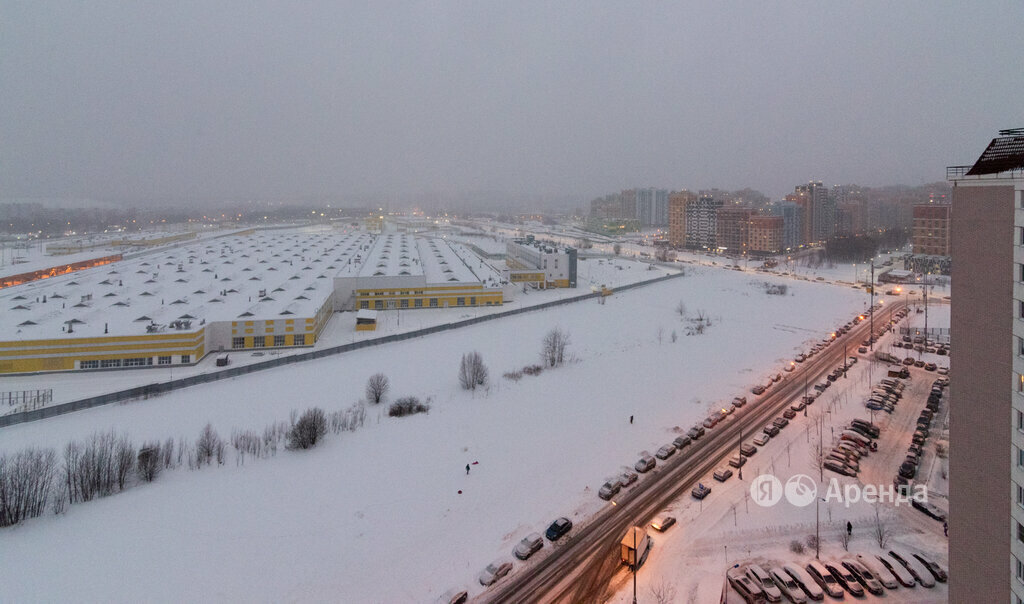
[(26, 478), (515, 376), (812, 541), (553, 347), (472, 371), (208, 447), (310, 428), (407, 405), (150, 461), (796, 547), (98, 466), (376, 388), (776, 289), (347, 420)]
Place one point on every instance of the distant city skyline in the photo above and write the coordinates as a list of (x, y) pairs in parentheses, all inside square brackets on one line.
[(193, 102)]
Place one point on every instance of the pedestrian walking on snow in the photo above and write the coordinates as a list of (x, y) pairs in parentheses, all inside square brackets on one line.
[(631, 419), (849, 529), (945, 529), (467, 469)]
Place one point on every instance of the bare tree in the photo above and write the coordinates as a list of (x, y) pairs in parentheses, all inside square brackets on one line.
[(681, 309), (617, 248), (308, 430), (472, 371), (26, 479), (124, 459), (674, 336), (209, 446), (661, 334), (882, 530), (553, 350), (663, 592), (844, 538), (150, 461), (376, 387)]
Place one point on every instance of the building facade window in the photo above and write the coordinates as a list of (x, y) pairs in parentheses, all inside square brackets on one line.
[(472, 300), (460, 301), (300, 340), (378, 304), (404, 304), (418, 303), (433, 303), (237, 343), (163, 360), (137, 362), (1020, 569), (279, 341), (186, 358), (259, 342), (1020, 494), (1020, 457), (89, 365), (105, 363), (364, 304)]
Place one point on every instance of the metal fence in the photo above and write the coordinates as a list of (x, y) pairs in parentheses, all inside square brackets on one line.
[(938, 334), (158, 388)]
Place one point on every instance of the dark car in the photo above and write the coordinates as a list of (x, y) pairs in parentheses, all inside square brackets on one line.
[(789, 414), (908, 470), (700, 491), (839, 467), (780, 422), (869, 428), (681, 441), (845, 578), (771, 430), (696, 432), (929, 510), (933, 567), (558, 529)]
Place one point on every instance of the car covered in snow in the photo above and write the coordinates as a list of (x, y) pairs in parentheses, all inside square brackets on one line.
[(845, 578), (824, 579), (748, 590), (700, 491), (864, 576), (762, 579), (747, 449), (494, 571), (665, 452), (530, 545), (761, 439), (807, 584), (662, 522), (646, 463), (722, 474), (839, 467), (788, 586), (920, 574), (933, 567), (454, 596), (898, 572), (682, 441), (610, 488)]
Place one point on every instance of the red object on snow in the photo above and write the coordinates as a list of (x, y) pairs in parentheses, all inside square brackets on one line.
[(460, 491), (476, 463)]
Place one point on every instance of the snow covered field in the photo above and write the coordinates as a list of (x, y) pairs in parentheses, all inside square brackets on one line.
[(376, 515)]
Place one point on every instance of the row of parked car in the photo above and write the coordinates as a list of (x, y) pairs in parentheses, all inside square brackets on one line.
[(856, 441), (885, 395), (920, 344), (908, 469), (527, 547), (854, 575)]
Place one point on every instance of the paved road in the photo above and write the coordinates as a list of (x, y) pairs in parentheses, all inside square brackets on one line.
[(580, 569)]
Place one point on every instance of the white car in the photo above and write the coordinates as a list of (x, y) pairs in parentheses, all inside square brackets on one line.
[(915, 568), (494, 571), (763, 580), (788, 586), (897, 571), (872, 565), (805, 582), (528, 546), (761, 439)]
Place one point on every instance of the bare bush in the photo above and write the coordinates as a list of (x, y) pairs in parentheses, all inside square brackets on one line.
[(553, 349), (472, 371), (247, 442), (150, 461), (881, 531), (681, 309), (347, 420), (310, 428), (91, 468), (617, 248), (515, 376), (663, 592), (210, 446), (812, 541), (407, 405), (776, 289), (168, 453), (376, 387), (796, 547), (533, 370), (26, 479), (124, 460)]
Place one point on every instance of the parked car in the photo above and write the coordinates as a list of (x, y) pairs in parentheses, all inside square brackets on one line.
[(662, 522), (682, 441), (824, 579), (748, 590), (920, 574), (759, 389), (798, 406), (627, 478), (872, 429), (901, 574), (804, 581), (885, 579), (787, 586), (930, 367), (695, 432), (722, 474), (739, 401), (761, 439), (863, 575), (737, 461), (454, 596), (665, 452), (771, 430), (933, 567), (609, 489), (789, 414), (845, 578), (839, 467), (494, 571), (780, 422), (762, 579), (747, 449), (528, 546), (841, 457), (558, 529), (929, 509), (646, 463), (908, 470), (700, 491)]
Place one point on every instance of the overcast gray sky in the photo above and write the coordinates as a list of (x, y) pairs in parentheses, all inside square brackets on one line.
[(141, 101)]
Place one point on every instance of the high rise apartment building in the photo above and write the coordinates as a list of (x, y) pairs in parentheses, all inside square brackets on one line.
[(702, 221), (766, 233), (986, 532), (931, 229), (677, 202), (733, 229)]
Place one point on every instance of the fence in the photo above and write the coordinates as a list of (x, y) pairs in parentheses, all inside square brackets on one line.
[(158, 388), (26, 400), (938, 334)]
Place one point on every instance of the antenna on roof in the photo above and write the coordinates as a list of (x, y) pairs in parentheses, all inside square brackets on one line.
[(1012, 132)]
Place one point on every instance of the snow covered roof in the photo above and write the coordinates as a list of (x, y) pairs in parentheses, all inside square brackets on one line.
[(265, 275)]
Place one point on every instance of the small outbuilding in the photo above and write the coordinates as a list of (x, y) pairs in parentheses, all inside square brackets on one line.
[(366, 320)]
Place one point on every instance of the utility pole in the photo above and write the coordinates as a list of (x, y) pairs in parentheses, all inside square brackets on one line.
[(871, 309), (636, 559)]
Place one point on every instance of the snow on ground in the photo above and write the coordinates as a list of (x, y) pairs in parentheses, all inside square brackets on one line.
[(593, 272), (376, 515), (728, 528)]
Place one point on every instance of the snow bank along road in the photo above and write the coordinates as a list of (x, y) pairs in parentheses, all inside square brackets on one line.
[(580, 570)]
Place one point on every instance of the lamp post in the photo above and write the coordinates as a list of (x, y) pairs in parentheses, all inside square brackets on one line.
[(871, 339), (636, 558)]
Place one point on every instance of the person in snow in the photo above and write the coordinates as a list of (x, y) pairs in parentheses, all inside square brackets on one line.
[(945, 529), (630, 419), (849, 529), (467, 469)]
